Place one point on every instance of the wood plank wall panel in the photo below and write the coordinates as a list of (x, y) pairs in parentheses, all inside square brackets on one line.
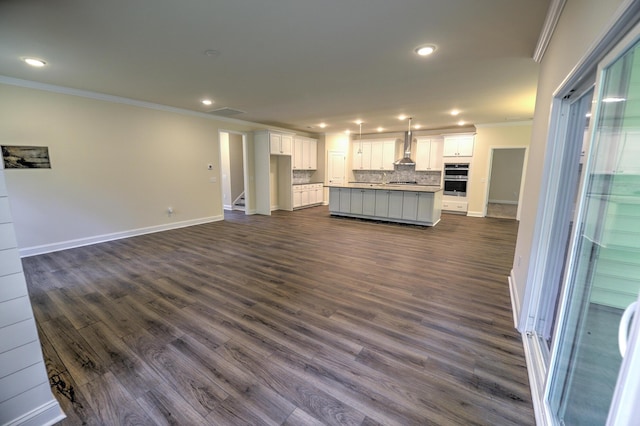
[(24, 387), (296, 318)]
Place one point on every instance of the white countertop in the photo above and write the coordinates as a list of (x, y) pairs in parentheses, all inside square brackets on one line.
[(389, 187)]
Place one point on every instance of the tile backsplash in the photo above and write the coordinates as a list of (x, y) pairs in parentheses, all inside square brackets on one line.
[(400, 174), (302, 176)]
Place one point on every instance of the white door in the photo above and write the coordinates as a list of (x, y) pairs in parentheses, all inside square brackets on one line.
[(336, 167)]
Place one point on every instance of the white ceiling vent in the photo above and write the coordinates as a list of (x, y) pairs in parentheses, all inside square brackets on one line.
[(225, 112)]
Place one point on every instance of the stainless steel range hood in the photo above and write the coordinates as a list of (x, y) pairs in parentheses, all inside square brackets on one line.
[(406, 160)]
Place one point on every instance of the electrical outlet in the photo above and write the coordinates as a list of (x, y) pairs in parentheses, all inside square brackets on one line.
[(169, 211)]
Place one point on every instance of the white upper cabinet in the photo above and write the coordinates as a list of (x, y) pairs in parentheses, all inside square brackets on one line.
[(305, 153), (280, 143), (374, 154), (428, 154), (458, 146)]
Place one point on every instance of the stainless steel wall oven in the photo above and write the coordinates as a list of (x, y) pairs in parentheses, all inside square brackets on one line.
[(456, 177)]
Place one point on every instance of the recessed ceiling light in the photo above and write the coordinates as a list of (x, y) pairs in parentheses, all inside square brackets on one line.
[(35, 62), (206, 102), (380, 129), (323, 125), (461, 123), (358, 122), (425, 50), (455, 112), (402, 117), (417, 126), (348, 131)]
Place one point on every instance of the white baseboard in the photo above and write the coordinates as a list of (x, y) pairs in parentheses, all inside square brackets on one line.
[(515, 300), (64, 245), (227, 207), (475, 214), (252, 211), (45, 415), (513, 203)]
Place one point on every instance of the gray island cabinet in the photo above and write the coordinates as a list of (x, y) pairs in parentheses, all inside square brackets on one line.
[(413, 204)]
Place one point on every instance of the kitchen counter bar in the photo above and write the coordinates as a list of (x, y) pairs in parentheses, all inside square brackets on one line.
[(392, 186), (412, 204)]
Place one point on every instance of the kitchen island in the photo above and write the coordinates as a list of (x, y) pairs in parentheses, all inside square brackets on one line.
[(413, 204)]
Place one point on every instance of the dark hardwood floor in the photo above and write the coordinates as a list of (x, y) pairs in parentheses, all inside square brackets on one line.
[(294, 319)]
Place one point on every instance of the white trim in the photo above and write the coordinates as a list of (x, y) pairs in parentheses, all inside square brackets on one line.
[(475, 214), (64, 245), (227, 207), (518, 123), (510, 202), (515, 299), (536, 381), (118, 100), (45, 415), (550, 23)]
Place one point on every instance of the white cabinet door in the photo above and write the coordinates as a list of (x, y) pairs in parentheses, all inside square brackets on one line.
[(458, 146), (381, 208), (345, 200), (425, 207), (356, 201), (465, 146), (395, 204), (305, 195), (388, 155), (280, 143), (286, 144), (275, 140), (312, 155), (435, 157), (423, 154), (358, 155), (297, 197), (428, 154), (319, 194), (383, 155), (410, 206), (369, 202), (334, 199), (298, 153), (377, 160)]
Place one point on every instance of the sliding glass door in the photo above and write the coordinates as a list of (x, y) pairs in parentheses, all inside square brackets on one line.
[(602, 271)]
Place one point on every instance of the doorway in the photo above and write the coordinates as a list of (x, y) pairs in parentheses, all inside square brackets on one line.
[(505, 179), (233, 160)]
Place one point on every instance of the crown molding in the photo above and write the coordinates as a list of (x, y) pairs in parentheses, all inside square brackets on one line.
[(550, 23), (507, 124), (11, 81)]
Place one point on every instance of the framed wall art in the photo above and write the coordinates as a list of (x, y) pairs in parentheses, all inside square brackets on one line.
[(26, 157)]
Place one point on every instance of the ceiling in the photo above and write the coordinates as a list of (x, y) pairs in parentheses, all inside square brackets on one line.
[(289, 63)]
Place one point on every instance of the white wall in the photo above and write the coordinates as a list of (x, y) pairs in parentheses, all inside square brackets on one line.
[(25, 395), (580, 25), (116, 168)]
